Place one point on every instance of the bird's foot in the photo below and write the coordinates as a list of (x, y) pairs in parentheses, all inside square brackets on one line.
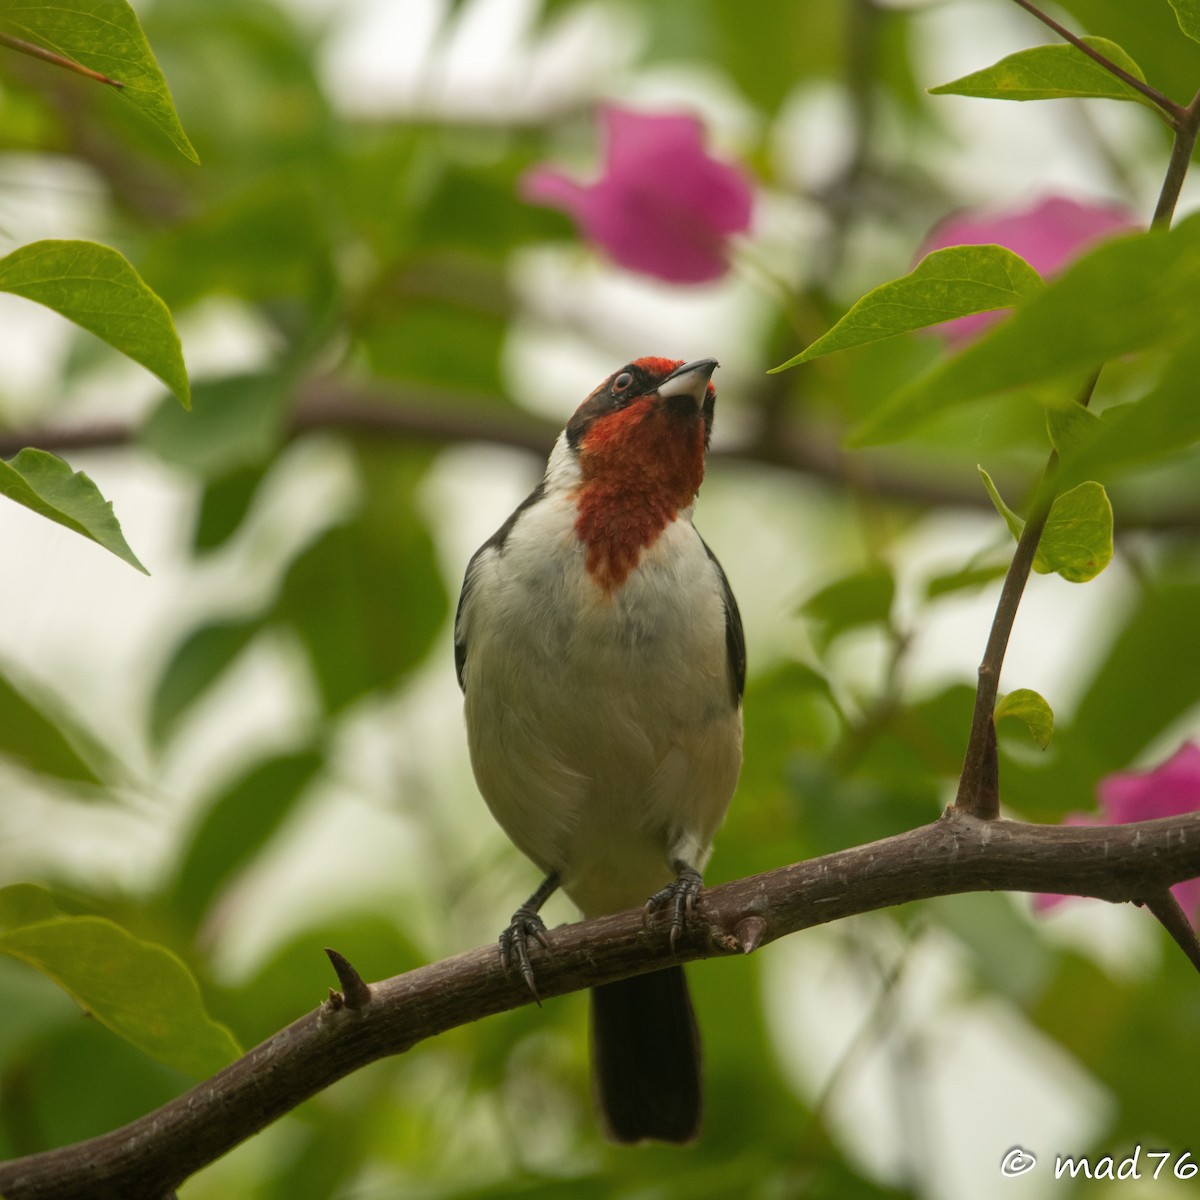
[(678, 898), (514, 944)]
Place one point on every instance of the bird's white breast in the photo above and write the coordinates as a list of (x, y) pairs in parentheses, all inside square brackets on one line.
[(602, 726)]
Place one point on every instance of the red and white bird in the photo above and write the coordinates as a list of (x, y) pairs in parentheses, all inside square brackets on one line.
[(602, 659)]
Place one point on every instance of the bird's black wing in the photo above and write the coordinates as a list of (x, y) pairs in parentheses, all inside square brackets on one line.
[(735, 635), (495, 542)]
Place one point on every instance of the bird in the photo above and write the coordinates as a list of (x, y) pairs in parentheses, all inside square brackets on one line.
[(602, 660)]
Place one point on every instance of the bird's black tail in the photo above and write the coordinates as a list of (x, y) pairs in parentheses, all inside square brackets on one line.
[(646, 1058)]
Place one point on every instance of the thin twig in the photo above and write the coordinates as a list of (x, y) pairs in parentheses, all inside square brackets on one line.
[(1174, 112), (979, 785), (1177, 166), (69, 64)]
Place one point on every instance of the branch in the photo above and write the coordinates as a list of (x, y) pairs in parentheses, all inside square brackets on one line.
[(148, 1158), (979, 783), (441, 417)]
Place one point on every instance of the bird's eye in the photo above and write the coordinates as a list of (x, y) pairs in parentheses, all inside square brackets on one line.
[(622, 381)]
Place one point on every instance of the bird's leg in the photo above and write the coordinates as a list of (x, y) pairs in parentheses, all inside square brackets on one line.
[(526, 924), (679, 896)]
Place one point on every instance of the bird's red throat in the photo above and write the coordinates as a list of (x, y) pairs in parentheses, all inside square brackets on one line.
[(640, 466)]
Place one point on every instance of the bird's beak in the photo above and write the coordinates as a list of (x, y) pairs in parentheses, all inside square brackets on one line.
[(689, 380)]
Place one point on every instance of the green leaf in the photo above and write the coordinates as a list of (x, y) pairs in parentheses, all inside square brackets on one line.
[(236, 422), (380, 619), (1007, 953), (431, 341), (967, 579), (948, 283), (96, 287), (1077, 541), (104, 35), (1160, 425), (268, 242), (1014, 523), (237, 825), (1072, 429), (1187, 13), (767, 57), (47, 485), (25, 903), (36, 734), (139, 990), (1051, 73), (225, 504), (196, 664), (864, 598), (1127, 294), (798, 715), (1028, 706)]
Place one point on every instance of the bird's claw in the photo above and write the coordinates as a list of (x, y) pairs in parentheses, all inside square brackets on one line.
[(514, 945), (679, 898)]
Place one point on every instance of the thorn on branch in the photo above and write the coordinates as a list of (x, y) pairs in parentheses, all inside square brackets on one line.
[(750, 932), (1173, 919), (355, 993)]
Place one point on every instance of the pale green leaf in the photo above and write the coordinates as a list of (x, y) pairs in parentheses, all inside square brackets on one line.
[(25, 903), (197, 663), (139, 990), (1187, 13), (953, 282), (1014, 523), (966, 579), (1160, 425), (47, 485), (1129, 293), (1077, 541), (864, 598), (104, 35), (1026, 705), (99, 290), (237, 422), (38, 731), (1072, 428), (1051, 73)]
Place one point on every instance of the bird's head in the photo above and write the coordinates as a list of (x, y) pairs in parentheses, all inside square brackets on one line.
[(639, 440), (650, 422), (647, 386)]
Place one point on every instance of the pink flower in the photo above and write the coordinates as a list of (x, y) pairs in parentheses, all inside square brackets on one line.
[(1047, 235), (1167, 791), (662, 206)]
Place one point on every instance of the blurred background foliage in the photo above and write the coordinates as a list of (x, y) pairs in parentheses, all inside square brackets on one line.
[(257, 752)]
